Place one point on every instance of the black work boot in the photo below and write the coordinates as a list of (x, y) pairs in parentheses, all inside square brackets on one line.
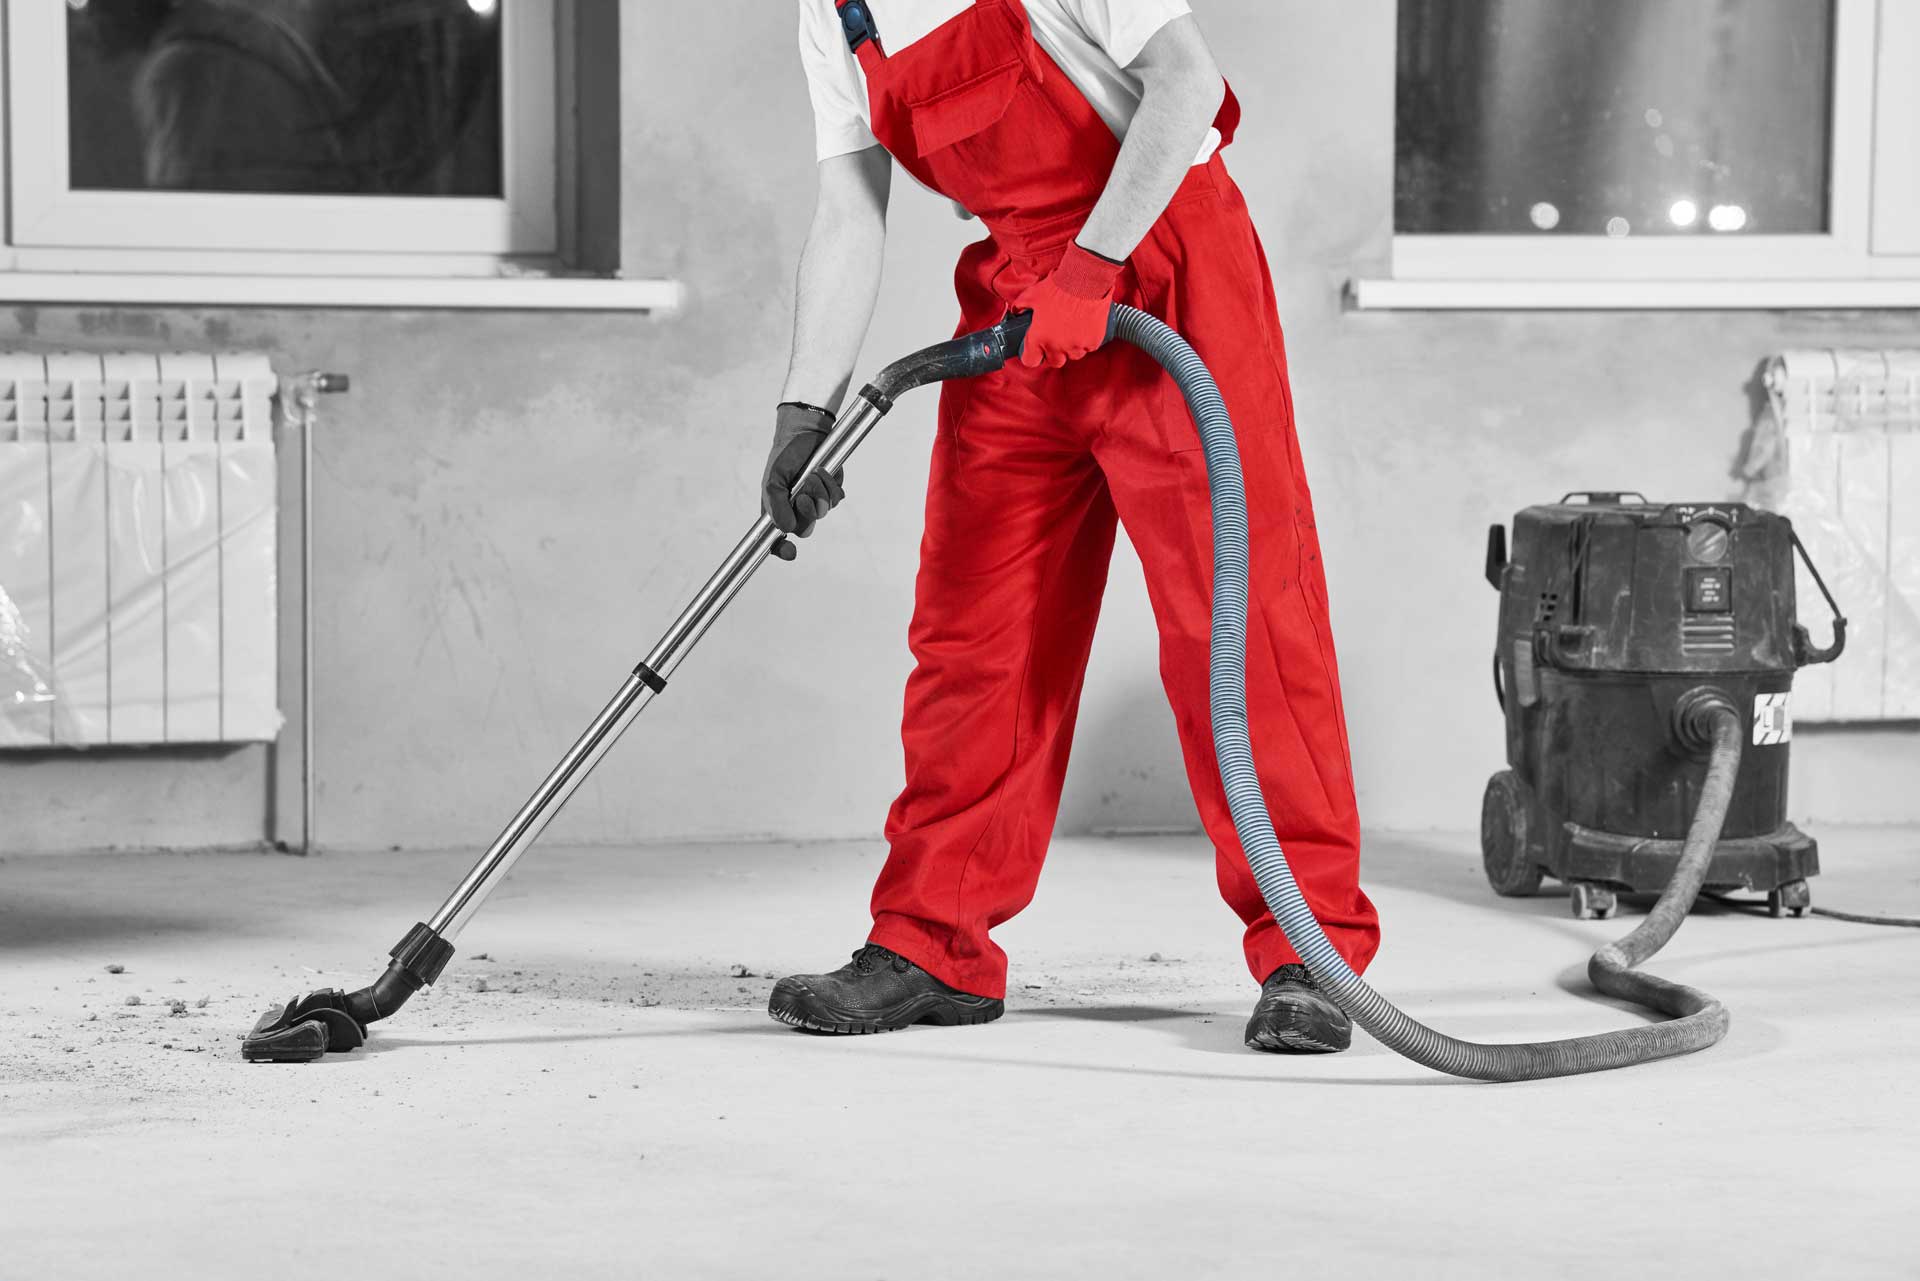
[(1295, 1017), (878, 991)]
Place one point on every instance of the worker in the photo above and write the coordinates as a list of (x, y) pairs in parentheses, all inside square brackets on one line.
[(1086, 135)]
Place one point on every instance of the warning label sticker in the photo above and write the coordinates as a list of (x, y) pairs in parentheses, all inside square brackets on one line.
[(1772, 722)]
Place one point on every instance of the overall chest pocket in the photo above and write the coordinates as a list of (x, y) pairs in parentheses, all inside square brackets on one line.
[(966, 110), (974, 96)]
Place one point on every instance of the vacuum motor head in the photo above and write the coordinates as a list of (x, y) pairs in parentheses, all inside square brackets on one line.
[(1608, 582)]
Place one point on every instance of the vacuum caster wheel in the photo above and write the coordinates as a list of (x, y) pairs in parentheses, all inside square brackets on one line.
[(1504, 852), (1591, 901), (1794, 896)]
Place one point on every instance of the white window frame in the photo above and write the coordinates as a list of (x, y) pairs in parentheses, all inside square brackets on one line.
[(223, 248), (1868, 257)]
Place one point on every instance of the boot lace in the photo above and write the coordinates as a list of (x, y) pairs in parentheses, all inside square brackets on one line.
[(873, 956), (1293, 974)]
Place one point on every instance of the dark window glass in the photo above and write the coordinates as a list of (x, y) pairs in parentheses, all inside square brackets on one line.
[(1613, 117), (346, 97)]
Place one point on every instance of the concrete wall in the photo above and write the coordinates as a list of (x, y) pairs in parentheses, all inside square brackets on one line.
[(511, 507)]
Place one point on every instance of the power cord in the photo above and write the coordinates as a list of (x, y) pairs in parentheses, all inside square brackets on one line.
[(1857, 918)]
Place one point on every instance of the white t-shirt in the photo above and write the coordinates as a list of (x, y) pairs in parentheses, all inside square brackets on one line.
[(1091, 40)]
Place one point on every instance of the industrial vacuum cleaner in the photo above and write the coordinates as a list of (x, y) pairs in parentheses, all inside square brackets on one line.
[(1619, 620), (1626, 734)]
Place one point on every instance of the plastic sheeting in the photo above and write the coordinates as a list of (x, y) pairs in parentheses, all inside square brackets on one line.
[(1838, 452), (137, 550)]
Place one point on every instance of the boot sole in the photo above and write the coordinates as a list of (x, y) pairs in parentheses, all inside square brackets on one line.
[(1307, 1030), (804, 1010), (1296, 1041)]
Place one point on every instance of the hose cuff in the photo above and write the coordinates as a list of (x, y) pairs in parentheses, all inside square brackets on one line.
[(422, 954), (1698, 715)]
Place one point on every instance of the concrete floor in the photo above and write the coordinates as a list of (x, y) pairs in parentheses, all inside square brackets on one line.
[(592, 1092)]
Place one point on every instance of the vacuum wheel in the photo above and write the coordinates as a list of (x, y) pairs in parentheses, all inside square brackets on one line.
[(1592, 901), (1504, 851), (1794, 896)]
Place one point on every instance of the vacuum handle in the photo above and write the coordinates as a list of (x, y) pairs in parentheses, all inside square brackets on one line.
[(1806, 654), (1603, 497), (983, 351), (1005, 341)]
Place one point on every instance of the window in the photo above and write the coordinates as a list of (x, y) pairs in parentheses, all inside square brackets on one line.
[(228, 124), (1613, 117), (1655, 152), (290, 139)]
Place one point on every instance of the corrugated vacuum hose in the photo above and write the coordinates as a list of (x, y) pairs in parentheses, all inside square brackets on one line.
[(1698, 1019)]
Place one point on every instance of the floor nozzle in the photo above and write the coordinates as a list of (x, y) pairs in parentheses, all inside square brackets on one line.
[(305, 1029), (331, 1021)]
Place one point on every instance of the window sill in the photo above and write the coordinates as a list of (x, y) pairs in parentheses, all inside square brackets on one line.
[(206, 289), (1632, 295)]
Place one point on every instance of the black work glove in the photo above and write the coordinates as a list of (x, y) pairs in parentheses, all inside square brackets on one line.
[(798, 432)]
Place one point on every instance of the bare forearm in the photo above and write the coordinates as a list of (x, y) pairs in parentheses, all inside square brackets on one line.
[(1182, 92), (839, 277)]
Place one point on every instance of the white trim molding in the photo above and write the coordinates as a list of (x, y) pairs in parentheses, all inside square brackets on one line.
[(210, 289), (1633, 295), (1896, 164)]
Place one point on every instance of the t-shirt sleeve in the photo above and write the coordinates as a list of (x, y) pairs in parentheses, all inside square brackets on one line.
[(1123, 27), (833, 82)]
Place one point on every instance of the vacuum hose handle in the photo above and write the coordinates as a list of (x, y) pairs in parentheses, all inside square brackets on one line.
[(1011, 333), (984, 351)]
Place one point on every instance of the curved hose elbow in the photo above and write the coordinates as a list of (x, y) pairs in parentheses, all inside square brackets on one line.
[(384, 996), (968, 356), (417, 961)]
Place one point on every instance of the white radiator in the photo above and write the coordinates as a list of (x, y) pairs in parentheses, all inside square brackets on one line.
[(137, 550), (1841, 457)]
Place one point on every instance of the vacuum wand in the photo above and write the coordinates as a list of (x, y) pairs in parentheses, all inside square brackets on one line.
[(963, 357), (333, 1020)]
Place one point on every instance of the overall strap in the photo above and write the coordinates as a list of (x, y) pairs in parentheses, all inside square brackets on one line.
[(863, 34)]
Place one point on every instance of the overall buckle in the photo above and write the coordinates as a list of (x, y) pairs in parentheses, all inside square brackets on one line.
[(856, 20)]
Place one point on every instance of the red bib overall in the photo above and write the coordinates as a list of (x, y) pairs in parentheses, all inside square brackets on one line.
[(1031, 467)]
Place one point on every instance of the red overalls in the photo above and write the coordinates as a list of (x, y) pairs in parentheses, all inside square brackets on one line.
[(1031, 468)]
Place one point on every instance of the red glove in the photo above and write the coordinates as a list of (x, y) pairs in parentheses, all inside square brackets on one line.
[(1070, 309)]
